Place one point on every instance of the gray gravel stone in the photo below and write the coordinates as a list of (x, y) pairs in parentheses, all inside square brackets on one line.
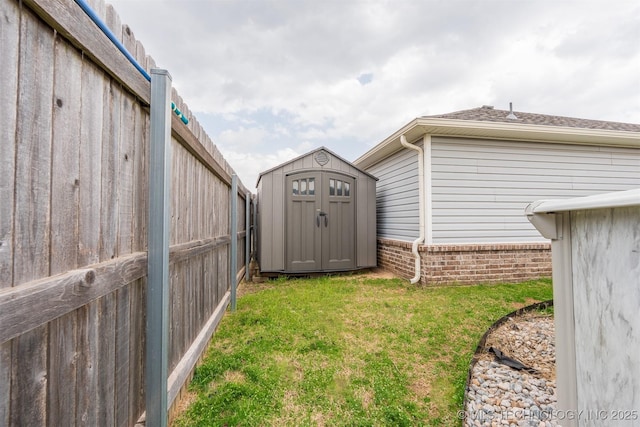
[(499, 395)]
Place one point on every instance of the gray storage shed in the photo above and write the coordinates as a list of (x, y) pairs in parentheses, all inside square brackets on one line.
[(316, 213)]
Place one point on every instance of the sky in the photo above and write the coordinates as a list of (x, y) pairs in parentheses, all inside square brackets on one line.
[(270, 80)]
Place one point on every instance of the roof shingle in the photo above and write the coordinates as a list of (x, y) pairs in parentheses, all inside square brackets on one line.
[(490, 114)]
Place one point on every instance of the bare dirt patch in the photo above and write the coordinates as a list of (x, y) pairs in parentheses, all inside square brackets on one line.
[(234, 377), (185, 399), (245, 288), (378, 273), (527, 302)]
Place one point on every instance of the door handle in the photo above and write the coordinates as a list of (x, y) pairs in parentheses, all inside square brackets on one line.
[(324, 214)]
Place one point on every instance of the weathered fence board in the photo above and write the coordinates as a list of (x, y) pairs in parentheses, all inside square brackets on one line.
[(88, 364), (73, 286), (5, 382), (73, 24), (138, 300), (122, 366), (140, 178), (9, 42), (106, 362), (90, 170), (177, 312), (33, 152), (125, 176), (62, 390), (29, 378), (110, 157), (65, 177)]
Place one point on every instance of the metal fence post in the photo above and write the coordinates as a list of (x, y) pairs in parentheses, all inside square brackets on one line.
[(234, 239), (247, 238), (156, 366), (254, 244)]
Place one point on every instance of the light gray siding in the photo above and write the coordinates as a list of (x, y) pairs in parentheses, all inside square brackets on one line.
[(397, 196), (481, 187)]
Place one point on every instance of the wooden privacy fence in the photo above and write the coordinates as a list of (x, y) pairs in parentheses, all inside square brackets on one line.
[(74, 176)]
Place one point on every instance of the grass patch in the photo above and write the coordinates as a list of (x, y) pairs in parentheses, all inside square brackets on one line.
[(347, 351)]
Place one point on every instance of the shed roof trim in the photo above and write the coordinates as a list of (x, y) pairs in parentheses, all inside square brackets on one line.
[(487, 123), (309, 153)]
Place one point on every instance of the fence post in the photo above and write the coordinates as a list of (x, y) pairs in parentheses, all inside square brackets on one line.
[(255, 229), (156, 365), (234, 239), (247, 237)]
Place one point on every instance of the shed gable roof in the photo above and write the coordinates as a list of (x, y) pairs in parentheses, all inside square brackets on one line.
[(311, 154)]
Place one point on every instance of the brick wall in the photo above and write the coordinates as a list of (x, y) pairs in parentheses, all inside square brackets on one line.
[(467, 264)]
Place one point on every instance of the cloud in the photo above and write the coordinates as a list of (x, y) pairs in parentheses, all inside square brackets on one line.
[(248, 164), (280, 76)]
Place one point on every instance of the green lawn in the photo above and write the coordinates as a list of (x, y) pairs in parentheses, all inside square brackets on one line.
[(347, 351)]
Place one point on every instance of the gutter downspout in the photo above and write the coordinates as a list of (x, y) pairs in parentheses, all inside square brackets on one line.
[(420, 239)]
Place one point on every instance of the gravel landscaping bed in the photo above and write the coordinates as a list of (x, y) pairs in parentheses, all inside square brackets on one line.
[(499, 395)]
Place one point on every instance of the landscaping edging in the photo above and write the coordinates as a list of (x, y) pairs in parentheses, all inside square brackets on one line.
[(480, 350)]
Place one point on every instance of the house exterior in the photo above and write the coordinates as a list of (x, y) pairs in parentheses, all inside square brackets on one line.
[(316, 213), (450, 200)]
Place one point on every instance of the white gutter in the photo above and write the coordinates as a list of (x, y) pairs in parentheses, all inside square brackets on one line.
[(420, 239)]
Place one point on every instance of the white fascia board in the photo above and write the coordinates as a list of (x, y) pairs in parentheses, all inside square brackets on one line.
[(389, 146), (419, 127), (608, 200), (518, 131)]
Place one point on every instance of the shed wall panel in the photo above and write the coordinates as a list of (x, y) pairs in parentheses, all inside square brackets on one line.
[(271, 207), (366, 222), (481, 187), (264, 211), (277, 222)]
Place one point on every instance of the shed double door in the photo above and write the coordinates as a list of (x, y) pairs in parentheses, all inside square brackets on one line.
[(320, 221)]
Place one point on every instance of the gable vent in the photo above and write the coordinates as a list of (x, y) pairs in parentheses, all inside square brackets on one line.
[(321, 157)]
